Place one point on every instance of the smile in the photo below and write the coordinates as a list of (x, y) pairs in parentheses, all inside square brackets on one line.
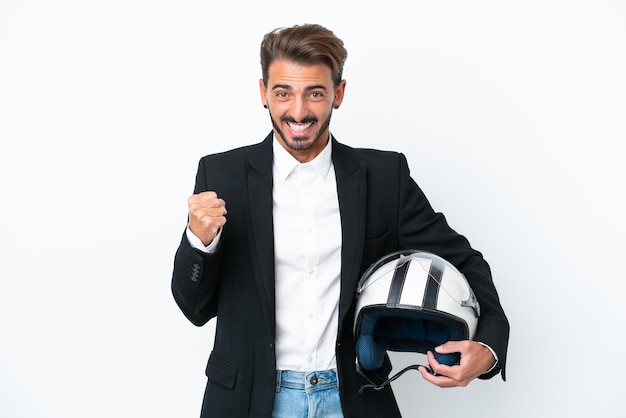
[(299, 127)]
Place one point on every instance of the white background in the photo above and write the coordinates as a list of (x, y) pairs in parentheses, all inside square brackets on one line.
[(512, 116)]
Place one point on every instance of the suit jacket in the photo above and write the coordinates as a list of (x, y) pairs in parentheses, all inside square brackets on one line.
[(382, 210)]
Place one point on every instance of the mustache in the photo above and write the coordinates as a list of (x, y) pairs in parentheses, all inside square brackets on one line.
[(292, 120)]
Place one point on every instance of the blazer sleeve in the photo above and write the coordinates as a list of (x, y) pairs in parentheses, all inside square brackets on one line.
[(195, 276), (420, 227), (195, 282)]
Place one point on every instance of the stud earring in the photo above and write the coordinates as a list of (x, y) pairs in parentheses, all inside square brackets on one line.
[(265, 106)]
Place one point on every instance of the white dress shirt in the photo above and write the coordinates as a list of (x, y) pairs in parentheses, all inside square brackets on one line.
[(307, 245)]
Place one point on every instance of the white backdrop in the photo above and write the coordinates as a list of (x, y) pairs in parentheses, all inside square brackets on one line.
[(511, 114)]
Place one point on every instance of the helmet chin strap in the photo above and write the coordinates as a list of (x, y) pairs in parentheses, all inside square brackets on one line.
[(380, 386)]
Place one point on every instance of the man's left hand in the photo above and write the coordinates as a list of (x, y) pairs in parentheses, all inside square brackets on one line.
[(476, 359)]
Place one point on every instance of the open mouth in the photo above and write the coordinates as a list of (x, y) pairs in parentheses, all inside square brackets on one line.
[(299, 128)]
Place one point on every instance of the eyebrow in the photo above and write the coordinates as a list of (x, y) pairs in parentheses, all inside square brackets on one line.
[(309, 88)]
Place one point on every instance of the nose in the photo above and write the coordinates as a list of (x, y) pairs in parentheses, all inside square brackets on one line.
[(299, 109)]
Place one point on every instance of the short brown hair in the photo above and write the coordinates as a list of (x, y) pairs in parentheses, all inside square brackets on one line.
[(307, 44)]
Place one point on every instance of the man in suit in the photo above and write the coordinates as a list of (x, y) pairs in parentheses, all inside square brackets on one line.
[(306, 216)]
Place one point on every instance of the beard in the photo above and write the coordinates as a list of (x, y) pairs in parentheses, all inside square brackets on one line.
[(301, 143)]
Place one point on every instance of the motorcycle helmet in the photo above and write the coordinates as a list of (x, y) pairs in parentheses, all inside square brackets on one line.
[(411, 301)]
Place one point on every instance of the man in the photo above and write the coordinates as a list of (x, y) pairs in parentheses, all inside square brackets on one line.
[(306, 216)]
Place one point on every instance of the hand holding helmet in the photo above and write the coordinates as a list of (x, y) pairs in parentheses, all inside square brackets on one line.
[(415, 301), (475, 360)]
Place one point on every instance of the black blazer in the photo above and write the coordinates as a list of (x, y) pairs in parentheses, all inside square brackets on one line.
[(382, 210)]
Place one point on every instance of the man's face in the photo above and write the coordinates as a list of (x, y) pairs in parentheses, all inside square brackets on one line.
[(300, 100)]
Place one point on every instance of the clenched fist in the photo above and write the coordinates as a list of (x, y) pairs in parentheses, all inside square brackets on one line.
[(207, 214)]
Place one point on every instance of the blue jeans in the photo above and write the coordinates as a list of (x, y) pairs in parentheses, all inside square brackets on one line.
[(307, 395)]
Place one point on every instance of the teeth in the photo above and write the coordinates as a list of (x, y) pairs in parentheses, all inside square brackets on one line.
[(299, 126)]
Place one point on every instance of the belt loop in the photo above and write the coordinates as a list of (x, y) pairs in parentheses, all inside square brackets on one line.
[(278, 377)]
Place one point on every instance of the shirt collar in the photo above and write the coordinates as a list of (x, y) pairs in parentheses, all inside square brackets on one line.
[(285, 163)]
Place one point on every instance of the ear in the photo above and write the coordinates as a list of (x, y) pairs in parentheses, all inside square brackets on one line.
[(263, 91), (339, 93)]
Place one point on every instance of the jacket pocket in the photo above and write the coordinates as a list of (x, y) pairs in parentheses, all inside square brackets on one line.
[(221, 373)]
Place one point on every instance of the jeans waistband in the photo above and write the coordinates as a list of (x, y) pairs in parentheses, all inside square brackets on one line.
[(309, 381)]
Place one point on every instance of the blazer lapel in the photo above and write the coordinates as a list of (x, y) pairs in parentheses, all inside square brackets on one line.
[(260, 214), (351, 191)]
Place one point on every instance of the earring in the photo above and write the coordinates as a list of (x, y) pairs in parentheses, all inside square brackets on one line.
[(336, 106), (265, 106)]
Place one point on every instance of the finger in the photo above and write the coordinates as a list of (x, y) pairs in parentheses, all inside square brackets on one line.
[(212, 211), (218, 211), (207, 213), (431, 359), (450, 347), (426, 373), (438, 368), (207, 195), (197, 202), (437, 380), (214, 202)]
